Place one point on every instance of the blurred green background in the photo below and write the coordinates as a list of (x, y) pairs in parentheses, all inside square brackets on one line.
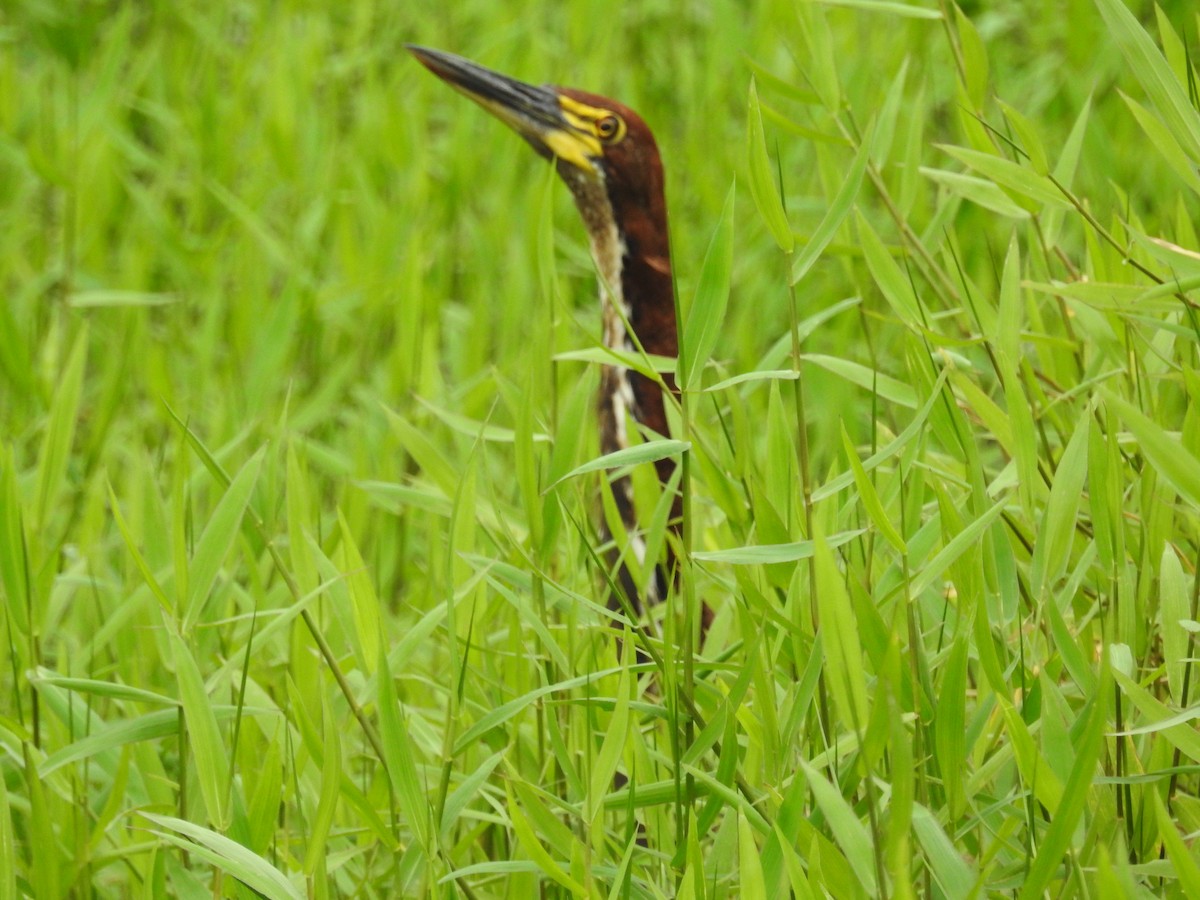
[(258, 243)]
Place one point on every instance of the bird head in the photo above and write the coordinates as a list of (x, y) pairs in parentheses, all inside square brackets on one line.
[(597, 143)]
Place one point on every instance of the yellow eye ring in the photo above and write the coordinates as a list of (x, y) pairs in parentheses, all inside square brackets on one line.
[(609, 128)]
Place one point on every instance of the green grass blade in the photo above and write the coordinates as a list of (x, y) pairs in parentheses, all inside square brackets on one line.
[(838, 209), (869, 496), (1052, 553), (750, 872), (951, 871), (1174, 462), (850, 833), (217, 539), (1153, 72), (1061, 830), (892, 282), (529, 841), (1173, 611), (230, 856), (331, 780), (762, 182), (401, 753), (843, 652), (704, 318), (60, 431), (611, 749), (14, 565), (8, 851), (1187, 870), (651, 451), (207, 749)]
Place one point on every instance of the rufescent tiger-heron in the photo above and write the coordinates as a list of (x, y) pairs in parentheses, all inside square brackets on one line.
[(609, 159)]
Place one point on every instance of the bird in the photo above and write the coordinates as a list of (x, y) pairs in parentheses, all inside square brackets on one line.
[(607, 156)]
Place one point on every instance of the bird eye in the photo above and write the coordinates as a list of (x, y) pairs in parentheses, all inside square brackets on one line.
[(608, 127)]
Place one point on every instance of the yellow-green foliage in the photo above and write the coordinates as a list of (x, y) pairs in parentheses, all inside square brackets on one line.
[(300, 579)]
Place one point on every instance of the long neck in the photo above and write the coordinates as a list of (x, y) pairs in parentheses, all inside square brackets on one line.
[(648, 295), (633, 261)]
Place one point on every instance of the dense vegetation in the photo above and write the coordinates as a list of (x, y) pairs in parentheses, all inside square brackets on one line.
[(298, 535)]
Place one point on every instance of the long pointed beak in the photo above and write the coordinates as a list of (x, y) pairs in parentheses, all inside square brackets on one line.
[(533, 112)]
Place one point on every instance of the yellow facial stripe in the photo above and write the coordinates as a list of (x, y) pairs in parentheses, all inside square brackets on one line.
[(584, 117), (577, 149)]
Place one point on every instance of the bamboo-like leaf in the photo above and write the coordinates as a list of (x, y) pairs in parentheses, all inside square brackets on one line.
[(762, 182), (1009, 318), (765, 554), (887, 7), (45, 864), (950, 725), (772, 375), (425, 453), (1154, 73), (869, 497), (106, 299), (1037, 189), (956, 547), (1036, 774), (218, 536), (146, 727), (750, 871), (1174, 462), (952, 872), (887, 387), (204, 736), (651, 451), (368, 624), (138, 560), (705, 318), (1058, 835), (821, 70), (648, 364), (8, 851), (545, 862), (331, 780), (1052, 553), (506, 711), (612, 747), (843, 652), (298, 519), (262, 808), (14, 564), (892, 282), (60, 430), (1173, 610), (475, 429), (978, 190), (230, 856), (467, 789), (975, 61), (1030, 142), (843, 202), (848, 830), (889, 113), (99, 688), (1186, 868), (401, 754), (1160, 138)]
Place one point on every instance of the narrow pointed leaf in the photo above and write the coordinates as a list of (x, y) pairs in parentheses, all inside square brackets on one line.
[(218, 536), (843, 202), (706, 315), (762, 182)]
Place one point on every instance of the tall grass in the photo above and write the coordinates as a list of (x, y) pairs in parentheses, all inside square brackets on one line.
[(299, 560)]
